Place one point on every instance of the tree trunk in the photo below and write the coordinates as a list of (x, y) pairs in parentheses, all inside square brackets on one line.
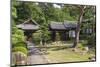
[(77, 32)]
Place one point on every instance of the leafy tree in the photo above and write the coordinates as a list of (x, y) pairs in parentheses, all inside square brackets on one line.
[(86, 21), (23, 11), (77, 33)]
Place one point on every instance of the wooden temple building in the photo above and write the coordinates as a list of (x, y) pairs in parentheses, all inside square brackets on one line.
[(64, 29)]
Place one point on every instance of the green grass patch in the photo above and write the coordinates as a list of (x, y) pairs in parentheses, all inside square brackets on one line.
[(58, 52), (65, 55)]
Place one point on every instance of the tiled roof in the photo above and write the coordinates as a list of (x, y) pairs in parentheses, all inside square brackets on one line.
[(29, 25), (62, 25)]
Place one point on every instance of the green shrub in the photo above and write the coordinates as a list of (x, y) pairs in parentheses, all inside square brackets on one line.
[(17, 38), (84, 42), (19, 44), (80, 46), (36, 37), (92, 41), (21, 49)]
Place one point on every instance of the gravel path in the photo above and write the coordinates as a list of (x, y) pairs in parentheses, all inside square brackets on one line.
[(34, 55)]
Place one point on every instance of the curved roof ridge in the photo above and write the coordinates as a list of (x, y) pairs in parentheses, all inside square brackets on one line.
[(30, 21)]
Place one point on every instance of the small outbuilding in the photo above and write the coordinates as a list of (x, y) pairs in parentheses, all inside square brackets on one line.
[(29, 27)]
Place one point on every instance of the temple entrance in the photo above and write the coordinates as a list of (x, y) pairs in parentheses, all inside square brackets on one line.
[(62, 31)]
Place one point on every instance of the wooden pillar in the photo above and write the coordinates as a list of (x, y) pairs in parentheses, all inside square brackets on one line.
[(67, 34), (53, 35)]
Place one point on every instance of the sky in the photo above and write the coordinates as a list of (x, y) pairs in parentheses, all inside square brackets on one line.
[(56, 6)]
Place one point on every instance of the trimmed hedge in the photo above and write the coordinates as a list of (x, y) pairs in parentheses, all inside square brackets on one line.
[(19, 44), (20, 48)]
